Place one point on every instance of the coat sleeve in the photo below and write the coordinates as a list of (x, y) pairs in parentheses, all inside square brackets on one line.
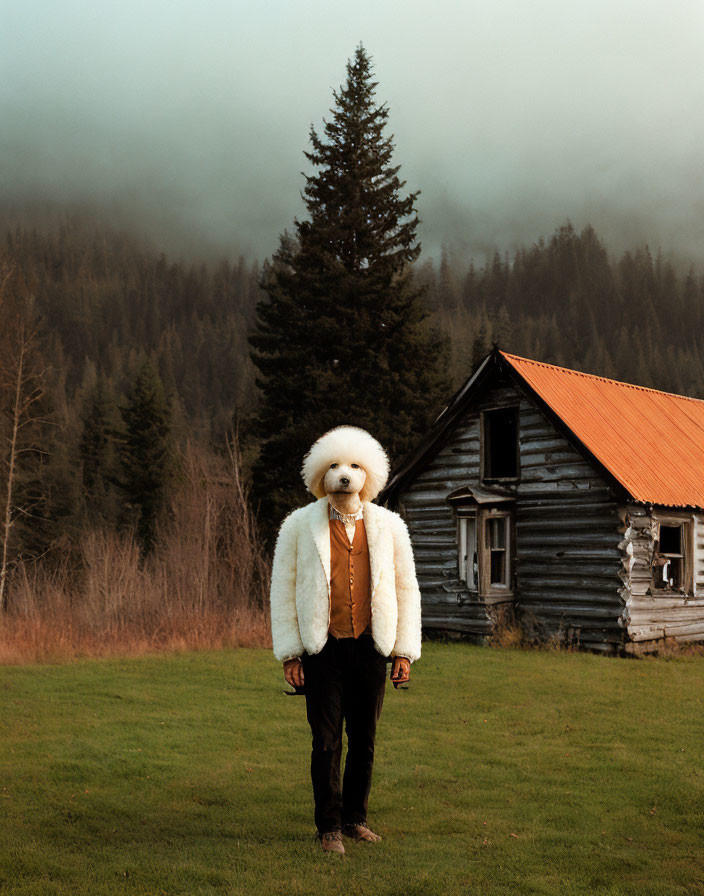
[(408, 629), (285, 634)]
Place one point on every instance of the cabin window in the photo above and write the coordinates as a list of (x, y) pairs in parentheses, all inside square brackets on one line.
[(497, 544), (669, 557), (485, 539), (467, 550), (672, 557), (500, 444)]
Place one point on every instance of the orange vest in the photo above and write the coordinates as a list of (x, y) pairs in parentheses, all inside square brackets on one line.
[(350, 581)]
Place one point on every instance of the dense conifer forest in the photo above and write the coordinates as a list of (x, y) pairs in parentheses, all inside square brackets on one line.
[(106, 304), (566, 300)]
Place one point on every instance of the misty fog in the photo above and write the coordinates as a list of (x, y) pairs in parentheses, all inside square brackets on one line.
[(188, 121)]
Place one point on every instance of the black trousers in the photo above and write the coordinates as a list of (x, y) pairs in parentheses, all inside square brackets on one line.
[(344, 682)]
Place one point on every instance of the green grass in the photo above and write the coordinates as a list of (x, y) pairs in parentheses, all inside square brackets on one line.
[(498, 771)]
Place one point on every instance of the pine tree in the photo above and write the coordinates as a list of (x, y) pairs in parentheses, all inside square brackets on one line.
[(145, 453), (480, 345), (97, 452), (342, 336), (94, 444), (449, 298), (503, 328)]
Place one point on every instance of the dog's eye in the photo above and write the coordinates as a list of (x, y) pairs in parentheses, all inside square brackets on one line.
[(332, 466), (356, 466)]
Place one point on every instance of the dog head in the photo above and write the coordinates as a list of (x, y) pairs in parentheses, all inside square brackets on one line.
[(346, 479), (346, 460)]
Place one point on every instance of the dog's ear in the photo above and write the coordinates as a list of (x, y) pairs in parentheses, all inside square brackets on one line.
[(320, 489)]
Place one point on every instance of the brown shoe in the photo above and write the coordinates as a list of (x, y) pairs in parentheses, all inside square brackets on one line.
[(332, 841), (359, 832)]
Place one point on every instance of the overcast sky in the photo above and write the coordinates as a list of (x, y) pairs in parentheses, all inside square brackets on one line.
[(190, 118)]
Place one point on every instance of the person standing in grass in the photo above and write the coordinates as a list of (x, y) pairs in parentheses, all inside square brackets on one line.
[(344, 601)]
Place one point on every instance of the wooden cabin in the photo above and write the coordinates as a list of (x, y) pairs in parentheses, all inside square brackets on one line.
[(573, 501)]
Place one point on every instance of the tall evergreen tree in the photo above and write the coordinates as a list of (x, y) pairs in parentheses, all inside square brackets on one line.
[(145, 453), (503, 328), (342, 336), (94, 444), (480, 345)]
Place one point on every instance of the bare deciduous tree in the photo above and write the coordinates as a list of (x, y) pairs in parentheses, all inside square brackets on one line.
[(21, 387)]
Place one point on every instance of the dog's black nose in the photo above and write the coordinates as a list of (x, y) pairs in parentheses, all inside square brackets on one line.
[(344, 481)]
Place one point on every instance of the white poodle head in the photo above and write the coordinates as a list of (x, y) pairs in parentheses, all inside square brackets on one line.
[(346, 459)]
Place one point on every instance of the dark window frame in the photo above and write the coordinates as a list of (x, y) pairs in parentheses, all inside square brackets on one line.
[(485, 445), (682, 560)]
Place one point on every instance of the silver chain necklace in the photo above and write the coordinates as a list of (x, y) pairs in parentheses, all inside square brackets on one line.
[(346, 517)]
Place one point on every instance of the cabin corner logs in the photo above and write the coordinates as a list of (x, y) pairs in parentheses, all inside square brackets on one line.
[(584, 565)]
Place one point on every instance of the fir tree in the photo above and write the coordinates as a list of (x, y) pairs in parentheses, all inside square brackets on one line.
[(342, 337), (480, 346), (145, 453), (503, 328), (449, 294), (95, 449)]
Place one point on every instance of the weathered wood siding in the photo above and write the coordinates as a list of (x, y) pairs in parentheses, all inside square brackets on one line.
[(567, 557), (650, 615), (567, 538), (699, 554)]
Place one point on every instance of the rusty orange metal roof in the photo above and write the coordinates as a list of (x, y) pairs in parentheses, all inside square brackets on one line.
[(651, 441)]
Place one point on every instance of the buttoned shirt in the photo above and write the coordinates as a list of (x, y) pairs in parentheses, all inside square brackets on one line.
[(350, 581)]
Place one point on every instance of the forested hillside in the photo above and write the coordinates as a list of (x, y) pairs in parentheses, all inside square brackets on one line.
[(565, 301), (106, 303)]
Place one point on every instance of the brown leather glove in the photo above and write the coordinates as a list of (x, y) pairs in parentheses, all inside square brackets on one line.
[(400, 670), (293, 672)]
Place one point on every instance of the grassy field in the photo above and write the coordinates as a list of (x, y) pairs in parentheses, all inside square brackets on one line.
[(498, 771)]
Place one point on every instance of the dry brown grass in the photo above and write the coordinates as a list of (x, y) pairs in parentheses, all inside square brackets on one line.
[(505, 631), (205, 586), (668, 648)]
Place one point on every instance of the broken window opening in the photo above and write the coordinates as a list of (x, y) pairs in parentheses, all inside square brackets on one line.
[(668, 563), (467, 556), (500, 443)]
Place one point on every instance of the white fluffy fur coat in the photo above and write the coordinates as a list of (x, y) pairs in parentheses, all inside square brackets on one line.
[(300, 582)]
